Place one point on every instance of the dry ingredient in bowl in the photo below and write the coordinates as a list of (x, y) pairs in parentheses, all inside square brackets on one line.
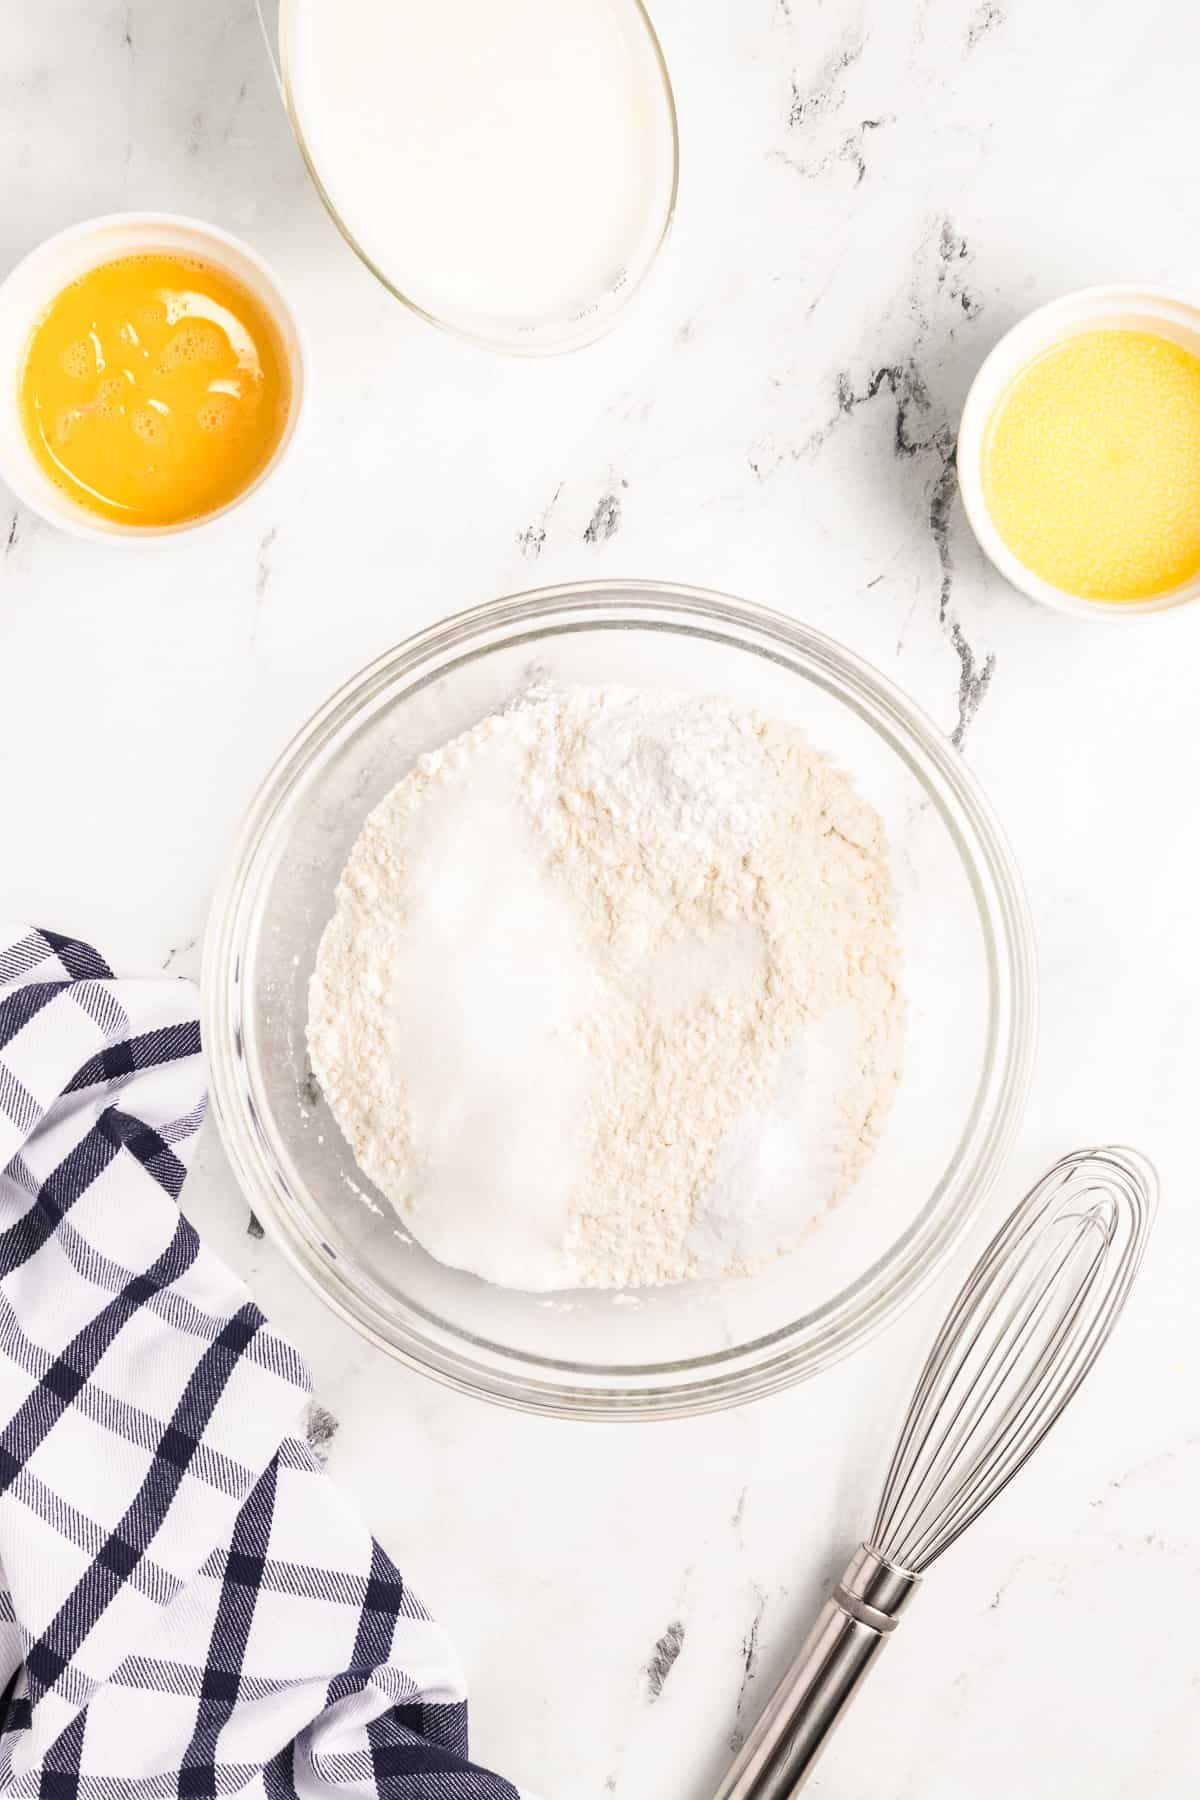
[(610, 995)]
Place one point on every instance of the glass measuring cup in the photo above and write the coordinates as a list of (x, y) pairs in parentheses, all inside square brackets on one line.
[(376, 164)]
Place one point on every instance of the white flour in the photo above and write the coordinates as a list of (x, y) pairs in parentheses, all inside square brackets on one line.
[(610, 994)]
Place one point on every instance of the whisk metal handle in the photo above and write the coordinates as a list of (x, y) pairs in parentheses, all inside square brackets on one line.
[(849, 1633)]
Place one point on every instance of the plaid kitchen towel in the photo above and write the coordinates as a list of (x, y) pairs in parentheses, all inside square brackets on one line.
[(187, 1606)]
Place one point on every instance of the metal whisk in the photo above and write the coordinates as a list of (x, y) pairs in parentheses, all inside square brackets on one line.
[(1027, 1326)]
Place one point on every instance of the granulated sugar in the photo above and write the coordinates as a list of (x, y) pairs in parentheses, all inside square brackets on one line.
[(610, 994)]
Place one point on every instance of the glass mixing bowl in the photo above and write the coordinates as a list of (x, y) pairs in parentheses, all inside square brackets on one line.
[(660, 1352)]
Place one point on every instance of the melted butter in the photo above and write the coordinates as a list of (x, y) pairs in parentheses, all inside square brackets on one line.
[(1091, 465)]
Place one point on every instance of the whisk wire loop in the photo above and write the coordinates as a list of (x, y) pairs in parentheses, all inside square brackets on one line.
[(984, 1430), (1025, 1329)]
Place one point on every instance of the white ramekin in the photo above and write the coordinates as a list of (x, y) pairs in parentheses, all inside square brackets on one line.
[(1121, 307), (33, 284)]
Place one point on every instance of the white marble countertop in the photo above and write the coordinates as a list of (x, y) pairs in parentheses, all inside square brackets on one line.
[(871, 193)]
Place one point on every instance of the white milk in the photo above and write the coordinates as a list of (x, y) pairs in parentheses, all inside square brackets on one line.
[(506, 164)]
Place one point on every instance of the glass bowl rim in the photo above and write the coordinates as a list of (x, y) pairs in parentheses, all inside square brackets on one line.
[(511, 346), (792, 1351)]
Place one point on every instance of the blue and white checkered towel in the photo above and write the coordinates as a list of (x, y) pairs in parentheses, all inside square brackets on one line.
[(192, 1609)]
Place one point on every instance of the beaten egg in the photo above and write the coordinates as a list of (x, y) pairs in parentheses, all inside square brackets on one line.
[(154, 389)]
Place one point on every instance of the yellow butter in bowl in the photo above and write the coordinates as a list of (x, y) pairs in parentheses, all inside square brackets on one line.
[(154, 389), (1090, 465)]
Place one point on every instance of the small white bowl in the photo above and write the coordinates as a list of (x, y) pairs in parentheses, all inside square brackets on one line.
[(1126, 307), (30, 288)]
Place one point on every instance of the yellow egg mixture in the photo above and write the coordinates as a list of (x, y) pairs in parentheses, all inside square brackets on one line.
[(154, 389), (1091, 465)]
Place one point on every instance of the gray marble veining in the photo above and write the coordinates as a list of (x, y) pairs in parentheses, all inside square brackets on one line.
[(871, 194)]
